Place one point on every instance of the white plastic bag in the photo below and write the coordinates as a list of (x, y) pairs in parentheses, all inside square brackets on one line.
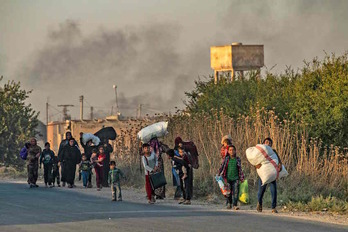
[(267, 172), (158, 130), (87, 136)]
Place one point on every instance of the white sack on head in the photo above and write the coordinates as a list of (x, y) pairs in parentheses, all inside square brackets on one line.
[(158, 130), (267, 172), (87, 136)]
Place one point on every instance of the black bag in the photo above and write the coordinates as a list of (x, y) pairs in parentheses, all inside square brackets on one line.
[(157, 180)]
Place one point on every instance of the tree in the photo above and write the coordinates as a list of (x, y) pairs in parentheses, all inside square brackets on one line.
[(17, 123), (316, 96)]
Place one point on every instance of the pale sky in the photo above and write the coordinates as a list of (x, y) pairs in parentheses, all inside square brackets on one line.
[(153, 50)]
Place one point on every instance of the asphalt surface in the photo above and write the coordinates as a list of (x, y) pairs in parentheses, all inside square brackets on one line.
[(58, 209)]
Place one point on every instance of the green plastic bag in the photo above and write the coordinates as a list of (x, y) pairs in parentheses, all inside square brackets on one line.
[(244, 192)]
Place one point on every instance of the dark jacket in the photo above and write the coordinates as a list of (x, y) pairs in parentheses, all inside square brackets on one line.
[(114, 175), (47, 157), (87, 149), (224, 165), (178, 164)]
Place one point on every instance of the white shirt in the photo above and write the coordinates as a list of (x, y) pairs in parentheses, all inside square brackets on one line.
[(150, 164)]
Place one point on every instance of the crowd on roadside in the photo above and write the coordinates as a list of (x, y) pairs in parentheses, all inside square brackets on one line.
[(61, 168)]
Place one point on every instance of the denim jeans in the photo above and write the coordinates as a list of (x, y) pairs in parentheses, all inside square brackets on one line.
[(85, 175), (262, 189), (234, 188)]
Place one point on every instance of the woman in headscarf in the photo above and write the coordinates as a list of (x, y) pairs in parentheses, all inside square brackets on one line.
[(156, 147), (71, 156), (34, 153)]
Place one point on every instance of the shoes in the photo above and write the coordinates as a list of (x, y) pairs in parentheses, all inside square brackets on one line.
[(236, 208), (31, 186), (98, 189), (89, 185), (274, 210), (63, 184), (113, 199), (36, 186), (151, 202), (51, 186), (187, 202), (58, 185), (229, 206), (259, 207), (153, 199), (182, 201), (70, 186)]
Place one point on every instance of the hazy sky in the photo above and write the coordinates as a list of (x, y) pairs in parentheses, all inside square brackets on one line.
[(153, 50)]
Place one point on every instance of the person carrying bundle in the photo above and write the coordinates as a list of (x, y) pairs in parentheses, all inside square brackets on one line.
[(273, 184)]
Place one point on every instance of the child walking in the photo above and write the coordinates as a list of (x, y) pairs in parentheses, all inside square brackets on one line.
[(98, 165), (231, 170), (55, 173), (114, 181), (46, 158), (85, 169)]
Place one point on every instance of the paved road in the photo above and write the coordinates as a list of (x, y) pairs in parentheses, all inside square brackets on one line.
[(41, 209)]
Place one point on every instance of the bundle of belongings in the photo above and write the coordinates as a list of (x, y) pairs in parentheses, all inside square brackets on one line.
[(266, 156)]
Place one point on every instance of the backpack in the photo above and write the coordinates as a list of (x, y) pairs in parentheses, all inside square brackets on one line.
[(23, 153), (192, 153)]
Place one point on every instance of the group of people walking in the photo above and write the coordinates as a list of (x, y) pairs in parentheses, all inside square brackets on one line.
[(152, 161), (68, 157), (107, 174)]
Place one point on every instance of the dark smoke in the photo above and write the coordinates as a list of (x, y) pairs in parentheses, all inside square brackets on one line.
[(150, 67), (143, 62)]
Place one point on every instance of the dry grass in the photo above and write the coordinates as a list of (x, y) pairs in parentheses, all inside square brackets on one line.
[(313, 168)]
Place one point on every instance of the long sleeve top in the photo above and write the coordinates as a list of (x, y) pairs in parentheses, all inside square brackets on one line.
[(149, 163)]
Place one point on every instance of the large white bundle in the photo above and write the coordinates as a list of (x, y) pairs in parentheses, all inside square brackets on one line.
[(267, 172), (255, 157), (87, 136), (155, 130)]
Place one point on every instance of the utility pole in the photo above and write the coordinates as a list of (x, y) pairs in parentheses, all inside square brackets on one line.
[(47, 113), (92, 112), (115, 88), (81, 107), (65, 111)]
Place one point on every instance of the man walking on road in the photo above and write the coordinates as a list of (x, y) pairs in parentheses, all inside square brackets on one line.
[(273, 184)]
